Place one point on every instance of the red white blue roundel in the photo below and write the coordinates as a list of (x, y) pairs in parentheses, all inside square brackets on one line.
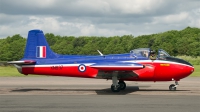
[(81, 68)]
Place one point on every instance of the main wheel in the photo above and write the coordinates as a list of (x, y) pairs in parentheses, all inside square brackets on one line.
[(122, 85), (115, 89), (172, 87)]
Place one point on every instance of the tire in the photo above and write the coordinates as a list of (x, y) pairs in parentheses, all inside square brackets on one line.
[(172, 87), (122, 85), (113, 89)]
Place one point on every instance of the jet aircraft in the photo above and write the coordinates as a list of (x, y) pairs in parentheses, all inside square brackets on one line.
[(39, 59)]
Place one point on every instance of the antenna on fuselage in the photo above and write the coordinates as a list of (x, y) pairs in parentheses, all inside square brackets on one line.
[(100, 53)]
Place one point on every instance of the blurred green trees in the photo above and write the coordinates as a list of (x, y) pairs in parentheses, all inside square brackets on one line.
[(184, 42)]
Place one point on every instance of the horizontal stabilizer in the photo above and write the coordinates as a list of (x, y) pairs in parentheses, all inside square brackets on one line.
[(117, 66), (26, 62)]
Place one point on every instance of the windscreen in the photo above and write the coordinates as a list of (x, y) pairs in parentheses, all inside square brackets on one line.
[(162, 54)]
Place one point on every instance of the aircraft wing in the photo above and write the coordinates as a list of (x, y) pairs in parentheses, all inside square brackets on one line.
[(117, 66), (123, 70)]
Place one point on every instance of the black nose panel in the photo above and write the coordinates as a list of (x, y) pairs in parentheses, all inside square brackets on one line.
[(178, 60)]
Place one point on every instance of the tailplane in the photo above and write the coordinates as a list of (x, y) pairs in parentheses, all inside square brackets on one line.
[(37, 46)]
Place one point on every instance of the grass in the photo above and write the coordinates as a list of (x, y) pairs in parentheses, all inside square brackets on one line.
[(196, 72), (11, 71), (192, 60)]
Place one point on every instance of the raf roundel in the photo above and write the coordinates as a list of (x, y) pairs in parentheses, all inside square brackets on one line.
[(82, 68)]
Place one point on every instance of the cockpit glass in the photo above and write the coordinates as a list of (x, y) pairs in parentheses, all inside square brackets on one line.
[(142, 52), (162, 54)]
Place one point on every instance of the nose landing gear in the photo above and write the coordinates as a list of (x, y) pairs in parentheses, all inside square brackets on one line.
[(173, 87)]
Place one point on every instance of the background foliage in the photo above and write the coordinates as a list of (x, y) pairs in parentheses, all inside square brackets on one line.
[(184, 43)]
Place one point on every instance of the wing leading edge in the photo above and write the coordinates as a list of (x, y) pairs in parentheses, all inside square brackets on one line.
[(117, 66)]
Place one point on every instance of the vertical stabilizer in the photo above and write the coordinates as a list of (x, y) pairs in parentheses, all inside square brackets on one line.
[(37, 46)]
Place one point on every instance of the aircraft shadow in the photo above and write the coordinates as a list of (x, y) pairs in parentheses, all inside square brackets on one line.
[(107, 91), (130, 89)]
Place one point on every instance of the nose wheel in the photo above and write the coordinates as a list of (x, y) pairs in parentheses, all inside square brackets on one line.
[(173, 87)]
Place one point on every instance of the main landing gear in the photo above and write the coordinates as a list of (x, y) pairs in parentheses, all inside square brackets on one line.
[(116, 87), (173, 87), (122, 85)]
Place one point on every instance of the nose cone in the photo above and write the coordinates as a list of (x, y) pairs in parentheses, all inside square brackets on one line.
[(184, 69), (188, 70)]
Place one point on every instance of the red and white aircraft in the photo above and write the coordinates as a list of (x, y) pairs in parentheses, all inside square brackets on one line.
[(134, 66)]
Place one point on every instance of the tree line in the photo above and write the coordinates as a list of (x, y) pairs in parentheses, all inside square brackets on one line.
[(176, 43)]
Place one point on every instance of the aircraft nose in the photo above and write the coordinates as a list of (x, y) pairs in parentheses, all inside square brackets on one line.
[(188, 67), (188, 70)]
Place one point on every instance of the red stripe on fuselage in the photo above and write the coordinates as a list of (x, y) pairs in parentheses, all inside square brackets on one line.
[(71, 71)]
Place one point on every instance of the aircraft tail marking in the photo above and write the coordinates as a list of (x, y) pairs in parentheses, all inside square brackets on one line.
[(41, 51)]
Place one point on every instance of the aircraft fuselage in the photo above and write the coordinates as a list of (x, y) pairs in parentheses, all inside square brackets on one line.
[(157, 70)]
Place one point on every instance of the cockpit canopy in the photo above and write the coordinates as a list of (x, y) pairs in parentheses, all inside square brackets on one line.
[(162, 54), (144, 53), (141, 52)]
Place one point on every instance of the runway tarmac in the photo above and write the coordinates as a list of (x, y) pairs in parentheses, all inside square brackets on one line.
[(30, 94)]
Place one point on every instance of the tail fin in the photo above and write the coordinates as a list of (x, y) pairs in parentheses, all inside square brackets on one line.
[(37, 46)]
